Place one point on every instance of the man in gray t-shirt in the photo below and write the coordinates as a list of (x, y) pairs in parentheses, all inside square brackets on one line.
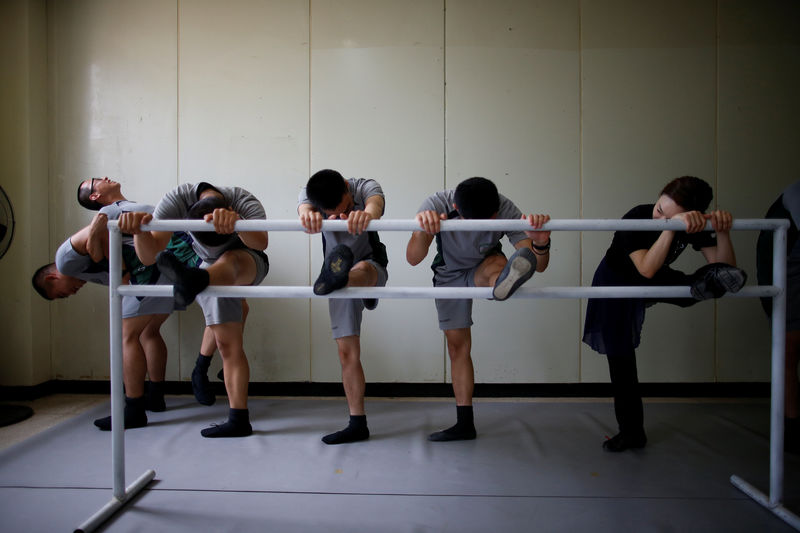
[(473, 259), (355, 258), (229, 258), (82, 258)]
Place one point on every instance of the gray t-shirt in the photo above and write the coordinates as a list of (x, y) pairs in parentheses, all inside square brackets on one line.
[(364, 246), (114, 210), (71, 263), (462, 250), (176, 204)]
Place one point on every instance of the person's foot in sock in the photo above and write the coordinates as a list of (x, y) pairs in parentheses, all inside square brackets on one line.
[(355, 431), (456, 432), (519, 269), (463, 430), (624, 441), (201, 387), (237, 425), (188, 282), (335, 270), (135, 417), (154, 397), (715, 279)]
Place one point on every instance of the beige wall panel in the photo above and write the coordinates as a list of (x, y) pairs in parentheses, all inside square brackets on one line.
[(244, 122), (24, 316), (648, 116), (377, 112), (759, 73), (112, 92), (513, 117)]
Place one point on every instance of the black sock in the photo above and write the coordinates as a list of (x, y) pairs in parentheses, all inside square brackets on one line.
[(355, 431), (154, 397), (201, 387), (135, 417), (237, 425), (626, 440), (463, 430)]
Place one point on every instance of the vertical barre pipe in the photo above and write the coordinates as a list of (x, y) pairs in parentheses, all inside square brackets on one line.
[(117, 394), (778, 364)]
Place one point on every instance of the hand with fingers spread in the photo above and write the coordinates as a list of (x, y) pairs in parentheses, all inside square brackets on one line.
[(430, 221)]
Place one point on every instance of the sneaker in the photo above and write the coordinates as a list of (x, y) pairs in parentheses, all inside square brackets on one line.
[(715, 279), (335, 271), (519, 269)]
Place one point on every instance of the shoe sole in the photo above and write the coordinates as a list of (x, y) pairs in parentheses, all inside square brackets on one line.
[(520, 269)]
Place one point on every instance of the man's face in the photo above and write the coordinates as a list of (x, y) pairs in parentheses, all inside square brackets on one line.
[(100, 186), (61, 286), (344, 207)]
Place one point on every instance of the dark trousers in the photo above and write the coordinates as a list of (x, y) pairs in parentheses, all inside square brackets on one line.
[(627, 397)]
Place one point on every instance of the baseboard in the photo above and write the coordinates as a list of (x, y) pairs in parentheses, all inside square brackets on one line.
[(415, 390)]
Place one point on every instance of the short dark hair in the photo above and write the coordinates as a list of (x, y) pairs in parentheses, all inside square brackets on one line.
[(39, 276), (477, 198), (83, 196), (689, 192), (201, 208), (325, 189)]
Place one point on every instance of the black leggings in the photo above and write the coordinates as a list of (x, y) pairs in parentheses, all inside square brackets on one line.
[(627, 397)]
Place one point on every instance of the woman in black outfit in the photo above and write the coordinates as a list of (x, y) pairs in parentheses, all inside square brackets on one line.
[(613, 326)]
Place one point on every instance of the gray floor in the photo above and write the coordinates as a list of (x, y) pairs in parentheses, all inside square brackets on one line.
[(536, 466)]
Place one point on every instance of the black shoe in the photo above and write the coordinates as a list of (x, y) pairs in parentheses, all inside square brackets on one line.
[(519, 269), (188, 282), (715, 279), (335, 271), (370, 303), (623, 441), (201, 387)]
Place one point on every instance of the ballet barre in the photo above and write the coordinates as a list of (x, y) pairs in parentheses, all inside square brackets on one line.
[(777, 292)]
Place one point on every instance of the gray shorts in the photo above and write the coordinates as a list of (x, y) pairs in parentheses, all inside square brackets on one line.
[(218, 310), (132, 306), (346, 314), (456, 314)]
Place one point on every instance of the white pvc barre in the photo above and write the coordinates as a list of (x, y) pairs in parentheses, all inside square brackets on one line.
[(777, 291), (460, 225), (410, 293)]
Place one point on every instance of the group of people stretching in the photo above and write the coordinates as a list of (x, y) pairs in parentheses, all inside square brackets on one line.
[(356, 258)]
